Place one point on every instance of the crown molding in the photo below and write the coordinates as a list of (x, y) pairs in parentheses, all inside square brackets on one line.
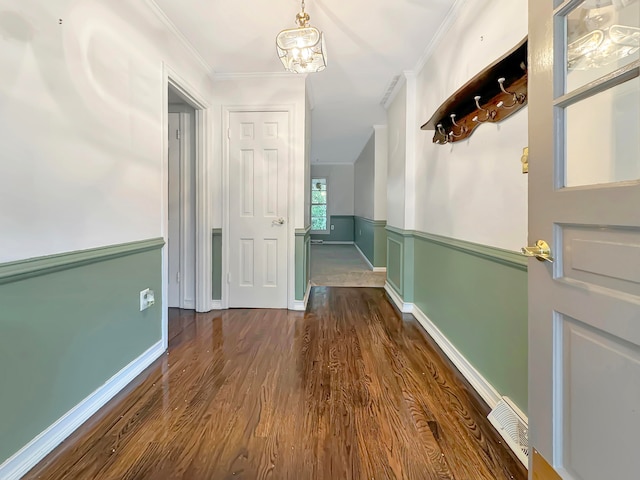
[(231, 76), (451, 16), (180, 36)]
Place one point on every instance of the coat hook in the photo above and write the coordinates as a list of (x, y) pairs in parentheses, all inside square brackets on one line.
[(517, 97), (442, 132), (462, 128), (489, 113)]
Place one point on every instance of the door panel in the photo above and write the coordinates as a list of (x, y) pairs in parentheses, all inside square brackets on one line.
[(247, 274), (598, 373), (602, 257), (258, 210), (584, 193), (247, 186), (271, 262), (270, 200)]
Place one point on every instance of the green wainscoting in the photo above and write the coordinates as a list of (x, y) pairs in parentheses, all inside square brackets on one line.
[(477, 297), (400, 255), (216, 270), (371, 239), (343, 229), (68, 323), (303, 259)]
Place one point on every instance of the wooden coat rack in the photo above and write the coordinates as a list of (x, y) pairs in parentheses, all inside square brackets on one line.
[(492, 95)]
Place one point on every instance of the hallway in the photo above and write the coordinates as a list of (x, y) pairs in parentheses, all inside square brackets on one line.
[(347, 390), (342, 266)]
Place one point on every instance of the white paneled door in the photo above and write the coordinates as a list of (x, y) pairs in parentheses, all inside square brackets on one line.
[(584, 201), (258, 209)]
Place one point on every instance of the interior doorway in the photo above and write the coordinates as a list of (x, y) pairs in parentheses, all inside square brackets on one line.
[(181, 208), (193, 230)]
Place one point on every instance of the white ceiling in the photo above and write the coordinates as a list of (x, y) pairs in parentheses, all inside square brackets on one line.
[(369, 42)]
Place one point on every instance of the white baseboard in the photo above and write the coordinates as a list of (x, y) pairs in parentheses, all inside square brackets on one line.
[(364, 257), (337, 243), (375, 269), (216, 304), (402, 306), (488, 393), (301, 305), (28, 456), (189, 305), (475, 378)]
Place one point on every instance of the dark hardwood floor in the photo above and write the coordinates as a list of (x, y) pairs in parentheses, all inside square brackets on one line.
[(348, 390)]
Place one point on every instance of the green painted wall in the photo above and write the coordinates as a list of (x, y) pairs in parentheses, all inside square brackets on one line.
[(400, 267), (216, 271), (476, 295), (371, 239), (343, 229), (303, 258), (68, 323)]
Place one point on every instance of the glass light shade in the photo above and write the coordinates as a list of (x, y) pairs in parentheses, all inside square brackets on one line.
[(302, 50)]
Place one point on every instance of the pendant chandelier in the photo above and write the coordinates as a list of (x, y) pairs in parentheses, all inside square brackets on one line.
[(302, 49)]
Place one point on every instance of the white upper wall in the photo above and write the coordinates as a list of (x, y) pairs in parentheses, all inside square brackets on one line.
[(397, 143), (381, 155), (81, 106), (472, 190), (339, 187), (364, 185)]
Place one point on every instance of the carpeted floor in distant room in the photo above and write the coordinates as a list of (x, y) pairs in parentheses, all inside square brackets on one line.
[(342, 266)]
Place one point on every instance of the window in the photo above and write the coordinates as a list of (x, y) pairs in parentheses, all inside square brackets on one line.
[(319, 204)]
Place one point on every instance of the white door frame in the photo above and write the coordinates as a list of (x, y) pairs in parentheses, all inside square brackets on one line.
[(203, 227), (291, 251)]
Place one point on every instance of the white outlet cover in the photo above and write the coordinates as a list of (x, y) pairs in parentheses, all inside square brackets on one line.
[(147, 298)]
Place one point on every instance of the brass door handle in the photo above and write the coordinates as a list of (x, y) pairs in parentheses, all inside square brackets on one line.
[(541, 251)]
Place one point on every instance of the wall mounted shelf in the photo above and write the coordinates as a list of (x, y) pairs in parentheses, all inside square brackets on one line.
[(492, 95)]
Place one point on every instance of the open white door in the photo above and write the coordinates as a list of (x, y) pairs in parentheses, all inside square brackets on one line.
[(584, 201), (258, 209)]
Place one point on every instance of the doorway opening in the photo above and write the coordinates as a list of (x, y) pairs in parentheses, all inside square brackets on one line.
[(186, 205), (181, 239), (342, 244)]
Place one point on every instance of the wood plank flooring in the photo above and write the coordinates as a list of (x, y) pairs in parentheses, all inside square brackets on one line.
[(347, 390)]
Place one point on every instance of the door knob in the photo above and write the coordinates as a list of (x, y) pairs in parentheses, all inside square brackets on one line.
[(541, 251), (278, 222)]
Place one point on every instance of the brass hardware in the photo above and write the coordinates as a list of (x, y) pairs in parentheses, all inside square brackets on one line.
[(541, 251), (525, 160)]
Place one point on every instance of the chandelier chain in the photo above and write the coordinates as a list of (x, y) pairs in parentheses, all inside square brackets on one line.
[(302, 18)]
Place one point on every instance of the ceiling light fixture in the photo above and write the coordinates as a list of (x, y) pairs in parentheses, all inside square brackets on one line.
[(302, 49)]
